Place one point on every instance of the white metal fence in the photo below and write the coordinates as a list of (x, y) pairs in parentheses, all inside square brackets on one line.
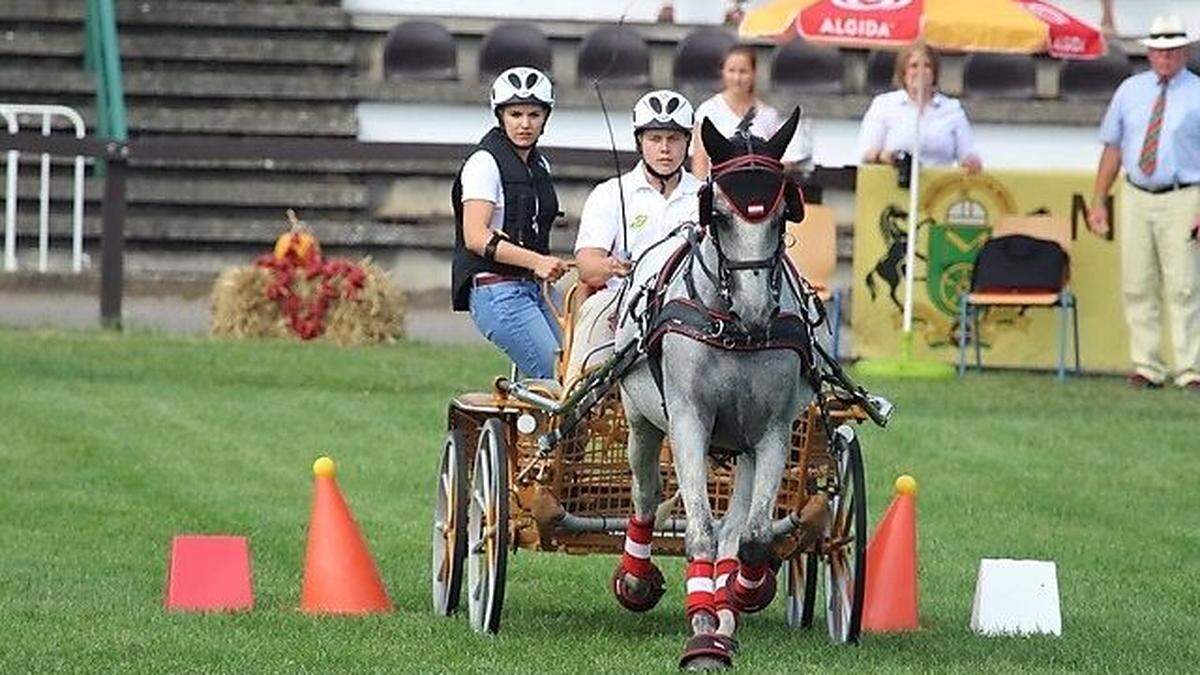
[(12, 115)]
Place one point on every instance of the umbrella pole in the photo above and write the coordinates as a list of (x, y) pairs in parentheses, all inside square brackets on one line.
[(907, 365)]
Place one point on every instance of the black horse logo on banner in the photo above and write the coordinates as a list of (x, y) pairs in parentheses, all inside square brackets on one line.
[(893, 228)]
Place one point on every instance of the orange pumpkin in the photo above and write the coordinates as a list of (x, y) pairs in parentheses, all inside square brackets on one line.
[(299, 243)]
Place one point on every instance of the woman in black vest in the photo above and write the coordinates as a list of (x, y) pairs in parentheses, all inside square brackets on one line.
[(504, 207)]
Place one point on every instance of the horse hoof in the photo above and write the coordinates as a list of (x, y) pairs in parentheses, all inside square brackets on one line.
[(706, 652), (638, 594), (751, 600)]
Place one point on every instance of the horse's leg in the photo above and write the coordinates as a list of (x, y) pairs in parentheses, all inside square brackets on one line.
[(690, 435), (637, 582), (729, 537), (754, 585)]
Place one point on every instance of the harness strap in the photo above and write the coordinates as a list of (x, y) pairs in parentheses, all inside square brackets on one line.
[(690, 319)]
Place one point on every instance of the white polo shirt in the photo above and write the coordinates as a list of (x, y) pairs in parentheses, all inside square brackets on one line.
[(481, 180), (649, 214)]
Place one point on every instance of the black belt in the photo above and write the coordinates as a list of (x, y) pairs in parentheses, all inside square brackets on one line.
[(1164, 189), (487, 279)]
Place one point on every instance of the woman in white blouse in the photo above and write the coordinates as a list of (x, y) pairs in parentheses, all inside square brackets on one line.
[(728, 108), (890, 124)]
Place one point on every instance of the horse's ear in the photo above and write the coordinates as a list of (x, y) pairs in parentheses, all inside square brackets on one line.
[(779, 142), (716, 145)]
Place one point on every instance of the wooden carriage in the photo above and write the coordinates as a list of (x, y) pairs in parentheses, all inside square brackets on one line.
[(500, 490)]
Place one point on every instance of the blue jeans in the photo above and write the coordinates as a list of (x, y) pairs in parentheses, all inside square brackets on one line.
[(513, 316)]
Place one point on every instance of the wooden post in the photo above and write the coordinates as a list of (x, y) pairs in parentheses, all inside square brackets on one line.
[(112, 244)]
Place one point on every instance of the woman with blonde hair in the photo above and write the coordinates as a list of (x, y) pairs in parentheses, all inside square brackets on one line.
[(890, 126)]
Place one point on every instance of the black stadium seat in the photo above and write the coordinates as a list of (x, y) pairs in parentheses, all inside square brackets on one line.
[(615, 54), (1001, 75), (1094, 79), (881, 68), (698, 57), (513, 44), (802, 66), (420, 50)]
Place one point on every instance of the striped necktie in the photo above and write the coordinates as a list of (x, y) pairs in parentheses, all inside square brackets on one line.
[(1148, 160)]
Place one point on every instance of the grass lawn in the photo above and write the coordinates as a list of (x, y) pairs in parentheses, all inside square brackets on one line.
[(113, 444)]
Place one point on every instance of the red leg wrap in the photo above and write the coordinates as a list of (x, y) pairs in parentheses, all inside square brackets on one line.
[(636, 558), (751, 576), (700, 588), (726, 568), (752, 588)]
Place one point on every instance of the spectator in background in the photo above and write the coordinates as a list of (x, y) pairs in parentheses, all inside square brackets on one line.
[(889, 127), (1150, 131), (735, 104)]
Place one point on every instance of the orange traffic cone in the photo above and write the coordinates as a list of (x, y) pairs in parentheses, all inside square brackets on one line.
[(891, 597), (340, 576)]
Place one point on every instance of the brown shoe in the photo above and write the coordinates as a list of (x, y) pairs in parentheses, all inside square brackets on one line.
[(1139, 381)]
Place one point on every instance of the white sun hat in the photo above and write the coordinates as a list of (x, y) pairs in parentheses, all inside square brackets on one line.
[(1167, 32)]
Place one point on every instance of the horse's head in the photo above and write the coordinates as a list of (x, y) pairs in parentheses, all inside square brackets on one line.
[(745, 207)]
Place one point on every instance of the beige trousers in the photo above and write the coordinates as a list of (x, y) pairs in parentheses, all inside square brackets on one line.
[(593, 327), (1159, 261)]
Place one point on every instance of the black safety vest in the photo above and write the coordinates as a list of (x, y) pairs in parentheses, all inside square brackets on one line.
[(530, 207)]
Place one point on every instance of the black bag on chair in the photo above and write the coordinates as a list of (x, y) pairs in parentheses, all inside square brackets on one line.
[(1019, 263)]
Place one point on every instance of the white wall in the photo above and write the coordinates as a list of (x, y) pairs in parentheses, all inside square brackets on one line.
[(581, 10), (1133, 17)]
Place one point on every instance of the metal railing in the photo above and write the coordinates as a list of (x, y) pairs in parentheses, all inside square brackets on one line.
[(12, 113)]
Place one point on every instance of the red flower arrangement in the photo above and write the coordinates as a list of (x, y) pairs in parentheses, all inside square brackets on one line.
[(304, 286)]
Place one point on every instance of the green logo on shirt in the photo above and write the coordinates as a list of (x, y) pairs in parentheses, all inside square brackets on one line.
[(639, 222)]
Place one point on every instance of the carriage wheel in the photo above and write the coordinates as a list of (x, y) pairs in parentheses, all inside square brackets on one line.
[(801, 590), (846, 546), (487, 529), (450, 526)]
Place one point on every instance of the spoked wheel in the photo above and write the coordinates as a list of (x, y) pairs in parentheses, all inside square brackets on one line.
[(450, 526), (801, 590), (487, 529), (846, 547)]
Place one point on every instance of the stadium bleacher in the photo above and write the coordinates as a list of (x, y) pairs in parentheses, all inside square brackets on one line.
[(304, 68)]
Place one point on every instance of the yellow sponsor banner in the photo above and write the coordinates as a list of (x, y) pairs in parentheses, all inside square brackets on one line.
[(956, 215)]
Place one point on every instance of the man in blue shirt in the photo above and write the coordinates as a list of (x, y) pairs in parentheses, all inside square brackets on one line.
[(1150, 132)]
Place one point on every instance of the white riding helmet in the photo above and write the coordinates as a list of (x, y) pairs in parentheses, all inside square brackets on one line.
[(663, 109), (522, 84)]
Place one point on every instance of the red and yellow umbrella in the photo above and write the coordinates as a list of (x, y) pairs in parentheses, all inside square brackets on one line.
[(1017, 26)]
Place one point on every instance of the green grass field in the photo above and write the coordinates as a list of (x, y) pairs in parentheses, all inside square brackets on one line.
[(111, 445)]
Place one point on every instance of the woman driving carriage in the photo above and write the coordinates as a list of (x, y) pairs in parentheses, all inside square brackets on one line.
[(619, 224), (504, 205)]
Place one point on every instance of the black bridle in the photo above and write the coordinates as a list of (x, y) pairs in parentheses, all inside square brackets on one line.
[(726, 266)]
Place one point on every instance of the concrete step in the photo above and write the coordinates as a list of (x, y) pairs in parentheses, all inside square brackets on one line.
[(213, 85), (180, 229), (284, 192), (244, 17), (238, 118), (179, 46), (247, 119)]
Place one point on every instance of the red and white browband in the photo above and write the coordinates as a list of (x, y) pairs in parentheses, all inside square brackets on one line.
[(753, 211)]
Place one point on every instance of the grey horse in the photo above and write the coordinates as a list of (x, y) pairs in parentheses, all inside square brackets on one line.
[(730, 391)]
